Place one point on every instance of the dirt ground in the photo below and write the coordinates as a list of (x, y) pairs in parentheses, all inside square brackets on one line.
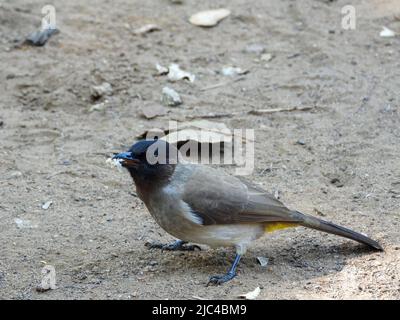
[(52, 148)]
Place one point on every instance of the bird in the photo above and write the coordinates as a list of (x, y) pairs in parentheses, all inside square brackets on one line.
[(200, 204)]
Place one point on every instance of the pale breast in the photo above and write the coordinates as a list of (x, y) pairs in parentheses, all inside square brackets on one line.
[(173, 215)]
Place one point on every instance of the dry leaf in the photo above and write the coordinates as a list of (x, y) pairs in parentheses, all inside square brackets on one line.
[(161, 70), (152, 111), (201, 131), (175, 73), (199, 136), (387, 33), (252, 294)]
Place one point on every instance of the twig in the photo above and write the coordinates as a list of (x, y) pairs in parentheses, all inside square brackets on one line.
[(267, 111), (256, 112), (214, 115), (221, 84)]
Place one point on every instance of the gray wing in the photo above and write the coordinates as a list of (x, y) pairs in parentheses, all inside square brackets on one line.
[(218, 198)]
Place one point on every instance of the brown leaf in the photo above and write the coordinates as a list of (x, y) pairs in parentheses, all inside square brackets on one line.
[(152, 111)]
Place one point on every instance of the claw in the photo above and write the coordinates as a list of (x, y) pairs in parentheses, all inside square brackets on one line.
[(190, 247), (178, 245), (220, 279), (153, 245), (217, 280)]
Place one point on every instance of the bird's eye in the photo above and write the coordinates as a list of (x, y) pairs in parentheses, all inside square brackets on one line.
[(141, 156)]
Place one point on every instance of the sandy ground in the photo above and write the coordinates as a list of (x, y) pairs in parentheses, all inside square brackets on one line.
[(53, 148)]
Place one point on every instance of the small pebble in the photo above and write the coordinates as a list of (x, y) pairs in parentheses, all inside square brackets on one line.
[(266, 57), (233, 71), (263, 261), (301, 142), (16, 174), (101, 90), (209, 18), (170, 97), (98, 107), (256, 48), (47, 205)]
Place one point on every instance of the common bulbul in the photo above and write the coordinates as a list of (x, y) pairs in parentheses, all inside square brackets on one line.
[(204, 205)]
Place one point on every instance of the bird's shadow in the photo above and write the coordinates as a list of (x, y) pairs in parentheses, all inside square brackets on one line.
[(290, 262)]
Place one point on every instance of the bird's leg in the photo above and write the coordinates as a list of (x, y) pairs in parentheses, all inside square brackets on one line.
[(178, 245), (220, 279)]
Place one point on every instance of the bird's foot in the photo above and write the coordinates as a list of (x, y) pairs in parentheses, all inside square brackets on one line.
[(178, 245), (220, 279)]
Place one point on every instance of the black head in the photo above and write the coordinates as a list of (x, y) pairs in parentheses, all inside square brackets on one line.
[(149, 160)]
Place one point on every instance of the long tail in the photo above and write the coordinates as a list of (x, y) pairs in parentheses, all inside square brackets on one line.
[(329, 227)]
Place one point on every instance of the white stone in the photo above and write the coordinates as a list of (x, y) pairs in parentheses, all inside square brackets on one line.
[(209, 18)]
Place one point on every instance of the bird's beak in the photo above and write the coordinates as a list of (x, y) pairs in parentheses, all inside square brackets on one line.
[(127, 159)]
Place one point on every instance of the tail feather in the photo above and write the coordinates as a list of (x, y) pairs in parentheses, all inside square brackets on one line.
[(329, 227)]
